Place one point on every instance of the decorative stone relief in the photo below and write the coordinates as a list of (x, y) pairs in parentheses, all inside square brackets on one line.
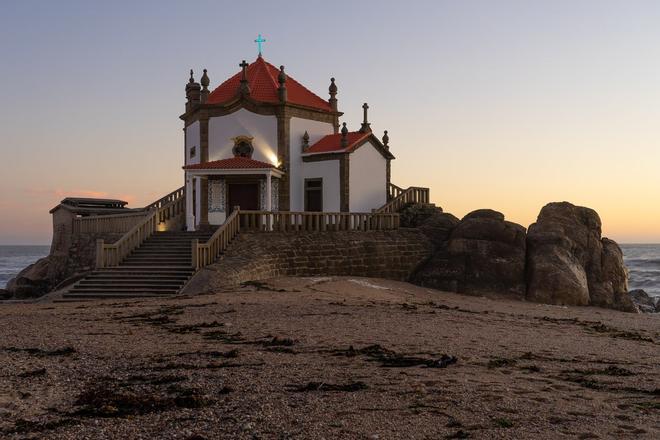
[(274, 194), (262, 194), (217, 195)]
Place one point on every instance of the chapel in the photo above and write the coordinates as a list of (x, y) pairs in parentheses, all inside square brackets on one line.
[(262, 141)]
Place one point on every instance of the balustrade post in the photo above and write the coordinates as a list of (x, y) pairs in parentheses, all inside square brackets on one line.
[(99, 254), (194, 249)]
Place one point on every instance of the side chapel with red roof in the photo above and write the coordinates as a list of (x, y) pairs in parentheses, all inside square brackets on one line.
[(262, 141)]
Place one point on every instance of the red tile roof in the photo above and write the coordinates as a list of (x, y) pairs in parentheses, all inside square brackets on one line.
[(262, 79), (332, 143), (235, 163)]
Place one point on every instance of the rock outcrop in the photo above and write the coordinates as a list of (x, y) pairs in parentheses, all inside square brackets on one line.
[(562, 259), (481, 254), (37, 279), (644, 302), (569, 263)]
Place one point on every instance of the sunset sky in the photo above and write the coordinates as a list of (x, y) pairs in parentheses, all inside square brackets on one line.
[(492, 104)]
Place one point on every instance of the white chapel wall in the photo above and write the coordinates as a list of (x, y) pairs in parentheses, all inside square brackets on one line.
[(328, 170), (367, 179), (316, 131), (192, 140), (263, 128)]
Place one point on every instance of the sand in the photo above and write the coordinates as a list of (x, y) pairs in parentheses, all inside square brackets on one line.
[(327, 358)]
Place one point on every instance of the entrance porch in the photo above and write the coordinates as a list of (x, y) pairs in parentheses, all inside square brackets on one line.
[(213, 193)]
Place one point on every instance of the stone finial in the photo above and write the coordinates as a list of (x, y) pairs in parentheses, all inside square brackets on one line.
[(245, 87), (366, 127), (386, 140), (281, 91), (333, 94), (344, 135), (192, 92), (204, 81), (305, 141)]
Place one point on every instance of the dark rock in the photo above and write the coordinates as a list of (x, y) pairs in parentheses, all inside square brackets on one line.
[(438, 228), (485, 213), (37, 279), (415, 215), (481, 254), (32, 281), (568, 262), (644, 302), (4, 294)]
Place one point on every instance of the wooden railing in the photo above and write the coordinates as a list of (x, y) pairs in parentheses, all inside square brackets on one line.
[(393, 191), (285, 221), (413, 194), (177, 194), (207, 253), (111, 223), (109, 255)]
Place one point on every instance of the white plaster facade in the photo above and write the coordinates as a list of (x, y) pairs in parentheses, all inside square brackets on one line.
[(328, 170), (367, 174), (316, 131), (367, 179), (262, 128), (192, 141)]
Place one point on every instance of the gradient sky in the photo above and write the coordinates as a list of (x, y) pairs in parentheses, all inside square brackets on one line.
[(501, 104)]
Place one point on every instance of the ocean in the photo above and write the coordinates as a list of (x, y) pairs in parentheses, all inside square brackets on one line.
[(13, 259), (643, 261)]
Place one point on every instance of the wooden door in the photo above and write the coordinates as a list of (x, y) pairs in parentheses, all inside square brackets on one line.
[(245, 195)]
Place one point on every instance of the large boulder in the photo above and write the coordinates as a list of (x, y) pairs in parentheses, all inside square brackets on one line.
[(37, 279), (481, 254), (569, 263)]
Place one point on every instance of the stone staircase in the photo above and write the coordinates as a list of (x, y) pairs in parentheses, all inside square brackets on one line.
[(160, 266)]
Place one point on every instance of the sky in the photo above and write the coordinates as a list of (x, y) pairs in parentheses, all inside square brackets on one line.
[(506, 105)]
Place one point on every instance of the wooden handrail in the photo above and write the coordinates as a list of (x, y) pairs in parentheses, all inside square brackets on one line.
[(393, 191), (207, 253), (111, 223), (174, 195), (286, 221), (110, 255), (414, 194)]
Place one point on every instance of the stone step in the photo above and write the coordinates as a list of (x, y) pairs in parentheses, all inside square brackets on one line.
[(164, 252), (124, 289), (90, 296), (136, 275), (125, 286), (159, 247), (161, 255), (132, 279), (153, 267)]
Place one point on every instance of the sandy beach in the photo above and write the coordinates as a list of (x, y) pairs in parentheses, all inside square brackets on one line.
[(327, 358)]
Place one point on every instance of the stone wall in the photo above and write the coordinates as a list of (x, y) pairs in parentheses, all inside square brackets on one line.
[(258, 256), (82, 253)]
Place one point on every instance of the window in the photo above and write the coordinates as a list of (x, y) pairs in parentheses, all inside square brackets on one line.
[(193, 151), (314, 195)]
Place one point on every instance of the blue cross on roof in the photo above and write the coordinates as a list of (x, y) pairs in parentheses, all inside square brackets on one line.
[(260, 40)]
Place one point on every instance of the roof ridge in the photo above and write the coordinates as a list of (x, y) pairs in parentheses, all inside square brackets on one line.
[(268, 71)]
